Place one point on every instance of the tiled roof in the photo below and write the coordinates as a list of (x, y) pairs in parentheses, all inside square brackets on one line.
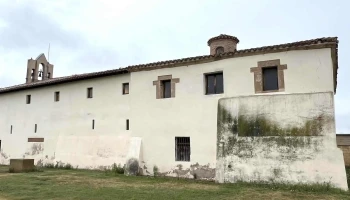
[(326, 42), (223, 36)]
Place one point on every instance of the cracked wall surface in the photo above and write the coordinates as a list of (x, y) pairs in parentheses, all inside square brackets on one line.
[(283, 138)]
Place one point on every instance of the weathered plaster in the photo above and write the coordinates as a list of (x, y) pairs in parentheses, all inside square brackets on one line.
[(294, 141)]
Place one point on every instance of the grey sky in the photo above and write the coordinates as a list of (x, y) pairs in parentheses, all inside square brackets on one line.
[(88, 35)]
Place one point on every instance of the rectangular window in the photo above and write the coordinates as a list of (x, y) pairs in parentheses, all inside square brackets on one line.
[(182, 149), (11, 129), (166, 89), (35, 128), (57, 96), (270, 78), (214, 83), (93, 124), (125, 88), (89, 93), (127, 124), (28, 99)]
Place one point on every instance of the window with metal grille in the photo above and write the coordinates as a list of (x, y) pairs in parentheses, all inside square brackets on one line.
[(214, 83), (270, 78), (57, 96), (182, 149), (166, 86), (89, 93), (125, 88), (28, 99)]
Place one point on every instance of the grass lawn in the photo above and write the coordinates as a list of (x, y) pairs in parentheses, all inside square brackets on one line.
[(84, 184)]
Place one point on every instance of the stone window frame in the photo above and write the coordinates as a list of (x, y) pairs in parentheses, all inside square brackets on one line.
[(258, 75), (159, 87)]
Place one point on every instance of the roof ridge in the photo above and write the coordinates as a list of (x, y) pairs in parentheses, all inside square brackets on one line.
[(179, 61)]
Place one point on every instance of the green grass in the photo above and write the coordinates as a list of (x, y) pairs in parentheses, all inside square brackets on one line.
[(51, 183)]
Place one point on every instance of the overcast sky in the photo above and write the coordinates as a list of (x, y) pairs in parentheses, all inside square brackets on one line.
[(95, 35)]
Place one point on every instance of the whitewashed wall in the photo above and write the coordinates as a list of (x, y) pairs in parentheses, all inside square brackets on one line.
[(157, 121), (308, 156), (66, 126), (194, 114)]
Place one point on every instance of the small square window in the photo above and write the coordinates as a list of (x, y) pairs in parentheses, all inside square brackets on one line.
[(214, 83), (182, 149), (166, 89), (90, 93), (125, 88), (57, 96), (270, 78), (28, 99)]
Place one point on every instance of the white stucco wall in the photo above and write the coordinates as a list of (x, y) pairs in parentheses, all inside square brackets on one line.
[(288, 152), (156, 121), (194, 114), (66, 125)]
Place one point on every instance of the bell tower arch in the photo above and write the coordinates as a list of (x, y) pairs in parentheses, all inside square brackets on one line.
[(39, 69)]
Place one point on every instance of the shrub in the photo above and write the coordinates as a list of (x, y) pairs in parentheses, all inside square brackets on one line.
[(155, 170), (49, 165), (117, 169), (59, 165)]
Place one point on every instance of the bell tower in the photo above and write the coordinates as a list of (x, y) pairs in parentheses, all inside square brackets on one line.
[(39, 69)]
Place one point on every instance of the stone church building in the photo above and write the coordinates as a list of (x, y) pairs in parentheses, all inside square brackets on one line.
[(258, 114)]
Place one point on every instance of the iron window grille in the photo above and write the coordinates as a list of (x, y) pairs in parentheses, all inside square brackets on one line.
[(182, 149)]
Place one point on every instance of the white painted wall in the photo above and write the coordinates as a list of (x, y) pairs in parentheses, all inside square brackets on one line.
[(192, 113), (67, 125), (295, 159), (156, 121)]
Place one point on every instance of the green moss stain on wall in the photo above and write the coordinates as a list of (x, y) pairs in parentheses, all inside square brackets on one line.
[(241, 135), (261, 126)]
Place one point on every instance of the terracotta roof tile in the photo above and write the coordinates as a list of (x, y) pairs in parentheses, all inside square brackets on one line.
[(326, 42), (223, 36)]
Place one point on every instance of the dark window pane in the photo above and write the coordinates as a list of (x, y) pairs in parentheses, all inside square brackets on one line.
[(28, 99), (89, 95), (125, 88), (270, 78), (166, 89), (210, 84), (219, 84)]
